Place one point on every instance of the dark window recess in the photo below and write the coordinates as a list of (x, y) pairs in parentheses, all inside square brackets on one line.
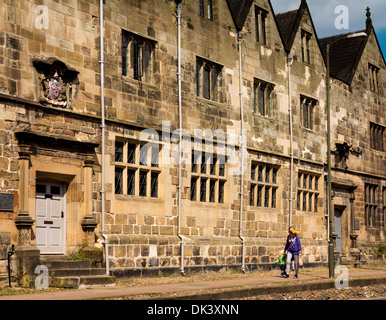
[(371, 205), (213, 165), (253, 172), (263, 189), (203, 164), (118, 151), (154, 156), (125, 45), (252, 195), (206, 82), (273, 199), (130, 182), (263, 31), (307, 106), (137, 56), (210, 10), (55, 190), (40, 188), (377, 136), (260, 25), (203, 190), (260, 174), (195, 158), (208, 79), (118, 181), (131, 153), (193, 189), (221, 185), (212, 190), (221, 167), (202, 12), (274, 175), (142, 183), (257, 13), (259, 191), (266, 197), (143, 155), (137, 60), (137, 172), (154, 185), (198, 78)]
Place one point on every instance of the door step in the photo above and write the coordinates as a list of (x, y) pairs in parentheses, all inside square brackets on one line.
[(75, 274), (80, 282)]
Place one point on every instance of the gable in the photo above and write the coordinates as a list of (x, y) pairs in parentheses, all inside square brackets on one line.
[(304, 27), (239, 11), (285, 23), (344, 55), (290, 23)]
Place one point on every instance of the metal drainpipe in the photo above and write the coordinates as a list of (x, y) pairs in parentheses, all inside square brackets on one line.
[(289, 63), (239, 37), (179, 10), (106, 242)]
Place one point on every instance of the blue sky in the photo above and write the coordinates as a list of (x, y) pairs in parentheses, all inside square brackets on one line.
[(324, 16)]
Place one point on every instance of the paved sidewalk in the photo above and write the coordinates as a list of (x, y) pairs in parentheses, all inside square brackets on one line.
[(305, 278)]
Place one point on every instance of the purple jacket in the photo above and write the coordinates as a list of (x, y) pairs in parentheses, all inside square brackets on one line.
[(293, 245)]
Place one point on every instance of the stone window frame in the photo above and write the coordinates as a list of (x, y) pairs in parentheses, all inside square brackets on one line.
[(377, 136), (135, 160), (374, 81), (307, 112), (370, 204), (308, 191), (208, 172), (261, 189), (137, 56), (266, 108), (208, 79), (261, 25), (209, 9), (306, 46)]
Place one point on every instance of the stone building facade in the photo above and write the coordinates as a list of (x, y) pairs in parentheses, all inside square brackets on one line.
[(152, 210)]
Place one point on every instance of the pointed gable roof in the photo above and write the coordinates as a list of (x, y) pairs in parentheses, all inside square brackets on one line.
[(346, 54), (289, 22), (285, 22), (239, 10)]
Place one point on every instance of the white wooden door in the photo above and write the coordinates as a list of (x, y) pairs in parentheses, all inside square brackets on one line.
[(50, 218)]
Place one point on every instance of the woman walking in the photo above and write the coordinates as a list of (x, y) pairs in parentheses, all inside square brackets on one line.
[(293, 248)]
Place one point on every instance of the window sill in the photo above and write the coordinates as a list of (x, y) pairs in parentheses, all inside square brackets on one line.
[(208, 204), (374, 228), (308, 212), (125, 197), (270, 118), (249, 207), (309, 130), (139, 82), (376, 150), (204, 100)]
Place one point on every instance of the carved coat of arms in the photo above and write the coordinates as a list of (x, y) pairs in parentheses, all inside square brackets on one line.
[(55, 91), (56, 82)]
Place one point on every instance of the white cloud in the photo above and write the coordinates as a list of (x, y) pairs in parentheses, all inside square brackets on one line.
[(324, 16)]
